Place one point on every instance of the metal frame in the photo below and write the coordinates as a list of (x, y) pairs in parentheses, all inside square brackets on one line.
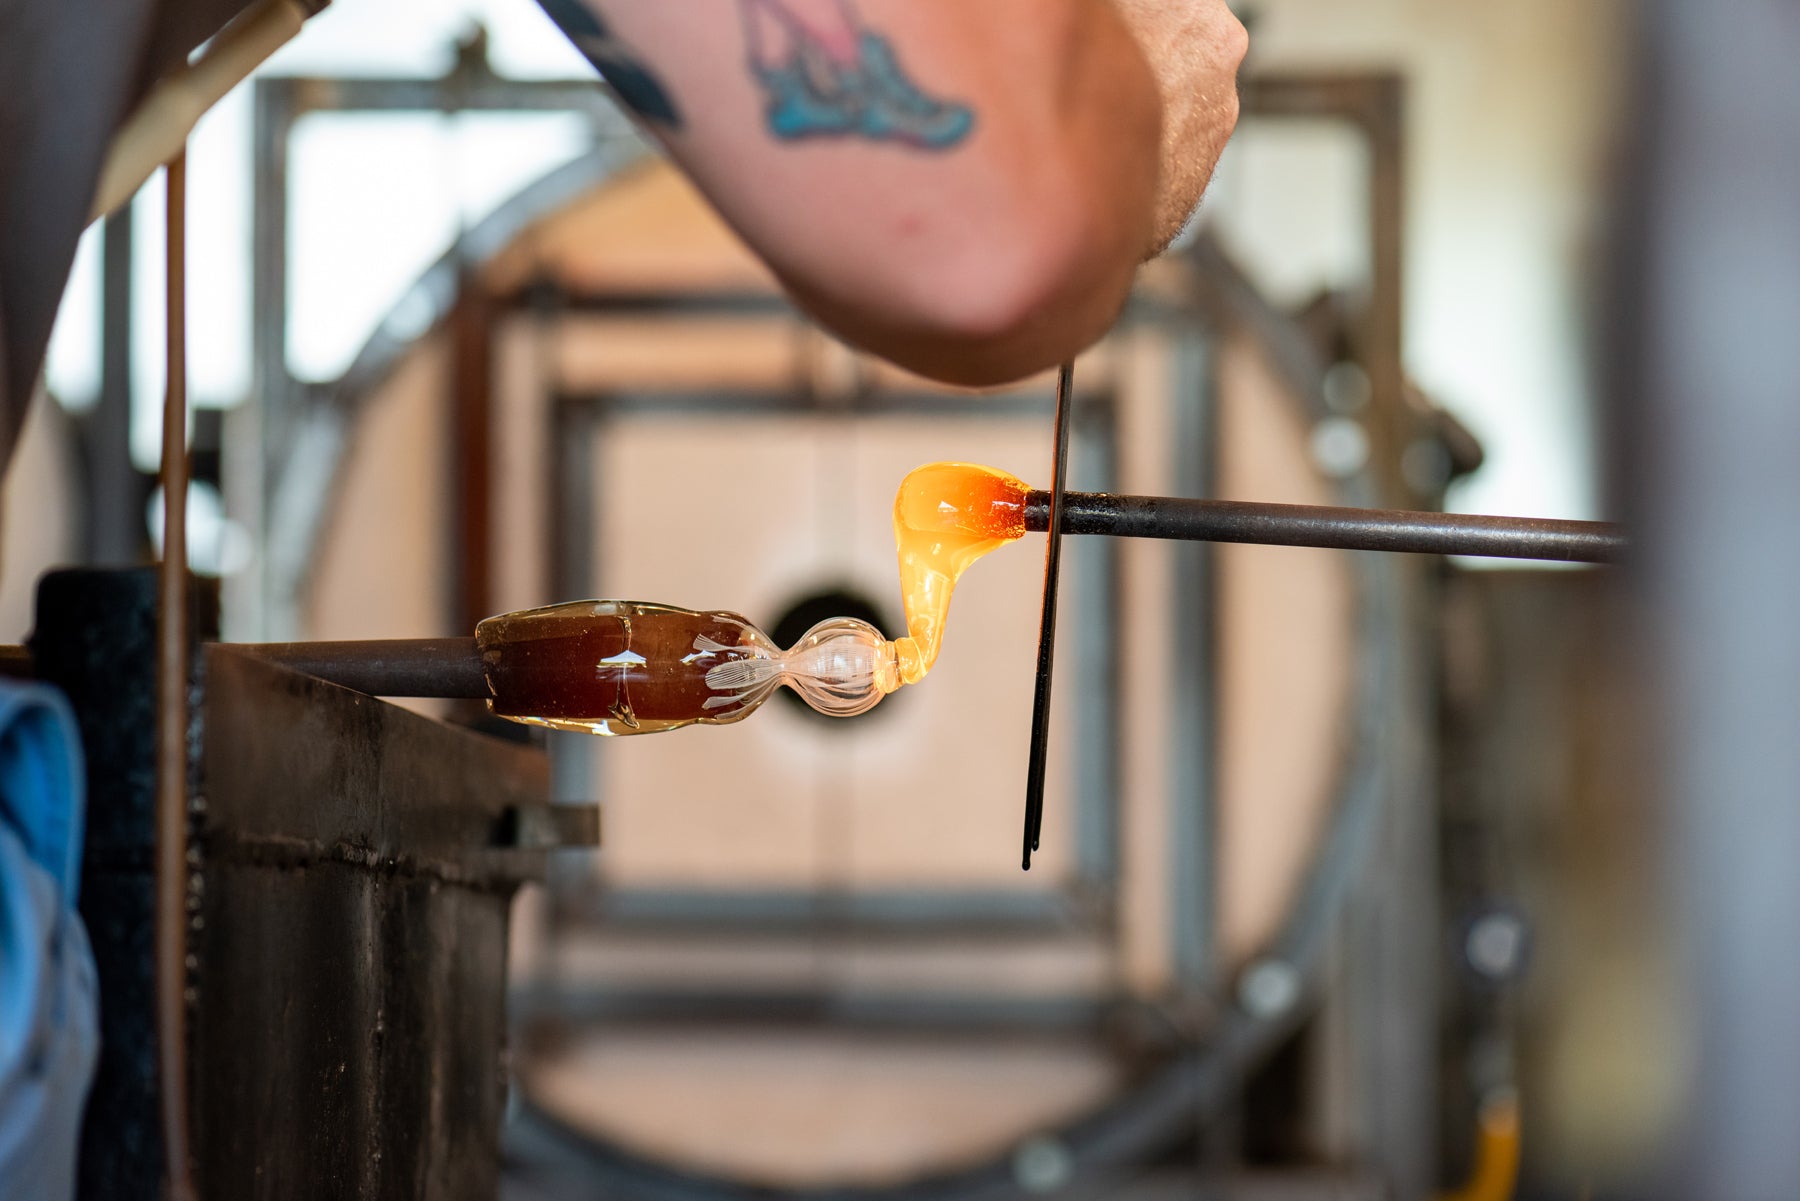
[(1172, 1097), (1236, 1031), (1193, 778), (295, 437), (1384, 767), (1085, 902), (1388, 1002)]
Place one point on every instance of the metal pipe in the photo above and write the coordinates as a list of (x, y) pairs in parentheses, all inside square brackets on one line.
[(1331, 528), (172, 711), (428, 667), (451, 667), (438, 667), (114, 518)]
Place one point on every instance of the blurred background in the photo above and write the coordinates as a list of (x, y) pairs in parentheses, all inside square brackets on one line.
[(1347, 864)]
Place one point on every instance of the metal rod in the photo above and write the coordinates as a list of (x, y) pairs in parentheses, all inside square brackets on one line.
[(116, 490), (1040, 705), (439, 667), (451, 667), (1331, 528), (172, 711)]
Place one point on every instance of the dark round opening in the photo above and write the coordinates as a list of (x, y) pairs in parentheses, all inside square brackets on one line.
[(809, 611)]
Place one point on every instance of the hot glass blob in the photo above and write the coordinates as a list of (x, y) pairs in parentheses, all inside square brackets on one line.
[(946, 516)]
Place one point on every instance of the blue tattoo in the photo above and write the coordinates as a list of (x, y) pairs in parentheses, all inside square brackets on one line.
[(635, 85), (809, 93)]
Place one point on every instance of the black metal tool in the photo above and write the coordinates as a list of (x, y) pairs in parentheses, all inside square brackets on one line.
[(436, 667), (1040, 705), (1330, 528), (451, 667)]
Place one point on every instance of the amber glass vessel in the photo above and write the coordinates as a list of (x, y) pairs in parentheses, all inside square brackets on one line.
[(628, 667)]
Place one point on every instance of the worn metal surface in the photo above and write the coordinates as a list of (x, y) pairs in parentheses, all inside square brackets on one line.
[(1332, 527), (352, 869), (350, 1002)]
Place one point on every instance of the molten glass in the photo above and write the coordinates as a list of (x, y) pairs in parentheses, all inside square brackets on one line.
[(946, 516), (626, 667)]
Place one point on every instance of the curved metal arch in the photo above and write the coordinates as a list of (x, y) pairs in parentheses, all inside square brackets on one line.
[(302, 499), (1192, 1087)]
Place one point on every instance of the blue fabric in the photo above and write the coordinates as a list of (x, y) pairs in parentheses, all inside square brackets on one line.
[(49, 1028)]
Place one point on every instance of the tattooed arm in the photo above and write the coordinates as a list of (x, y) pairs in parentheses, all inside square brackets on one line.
[(963, 186)]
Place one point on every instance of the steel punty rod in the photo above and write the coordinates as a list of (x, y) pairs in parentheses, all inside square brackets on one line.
[(451, 667), (1330, 528), (440, 667)]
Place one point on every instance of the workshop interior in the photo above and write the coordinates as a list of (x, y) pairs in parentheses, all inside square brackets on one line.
[(1412, 801)]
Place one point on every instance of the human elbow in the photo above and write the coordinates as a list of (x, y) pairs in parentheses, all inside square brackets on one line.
[(1024, 300)]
